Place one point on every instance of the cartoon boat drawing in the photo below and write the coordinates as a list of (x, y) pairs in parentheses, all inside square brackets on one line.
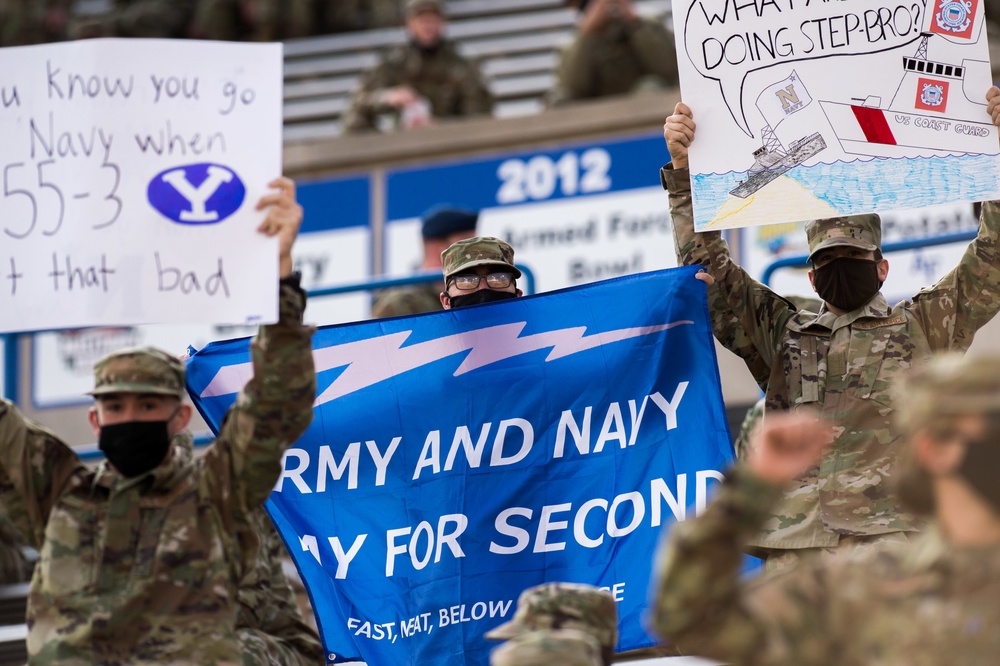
[(776, 103), (771, 160), (931, 113)]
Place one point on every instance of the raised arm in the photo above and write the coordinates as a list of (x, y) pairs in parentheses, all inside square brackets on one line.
[(747, 317), (275, 407), (969, 296), (704, 607), (35, 466)]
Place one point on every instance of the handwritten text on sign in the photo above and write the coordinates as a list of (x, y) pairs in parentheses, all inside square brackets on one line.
[(129, 171)]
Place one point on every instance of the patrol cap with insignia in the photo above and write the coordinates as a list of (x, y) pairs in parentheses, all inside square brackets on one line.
[(139, 370), (863, 231), (565, 647), (414, 7), (566, 605), (442, 221), (478, 251)]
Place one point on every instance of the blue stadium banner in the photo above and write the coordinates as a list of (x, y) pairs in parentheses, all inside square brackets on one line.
[(459, 457)]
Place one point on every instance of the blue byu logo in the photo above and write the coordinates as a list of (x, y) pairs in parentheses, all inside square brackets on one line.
[(196, 193)]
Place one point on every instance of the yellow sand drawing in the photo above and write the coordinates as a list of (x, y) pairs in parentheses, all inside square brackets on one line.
[(781, 200)]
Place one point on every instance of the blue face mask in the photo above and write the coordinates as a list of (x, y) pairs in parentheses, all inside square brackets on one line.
[(480, 297)]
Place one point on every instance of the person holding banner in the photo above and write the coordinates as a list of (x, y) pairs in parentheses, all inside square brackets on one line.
[(841, 360), (140, 558), (935, 601), (478, 270)]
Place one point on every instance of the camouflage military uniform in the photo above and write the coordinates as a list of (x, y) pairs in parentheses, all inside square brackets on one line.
[(453, 85), (840, 366), (565, 647), (146, 569), (408, 300), (269, 624), (928, 604), (613, 61), (14, 566)]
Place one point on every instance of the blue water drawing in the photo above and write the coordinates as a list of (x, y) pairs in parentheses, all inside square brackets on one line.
[(862, 186)]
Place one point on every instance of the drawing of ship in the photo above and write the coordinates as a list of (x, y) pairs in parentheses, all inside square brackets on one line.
[(925, 115), (772, 160)]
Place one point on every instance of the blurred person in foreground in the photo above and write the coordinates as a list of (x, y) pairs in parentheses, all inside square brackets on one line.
[(441, 227), (140, 558), (615, 52), (551, 647), (935, 600), (420, 81)]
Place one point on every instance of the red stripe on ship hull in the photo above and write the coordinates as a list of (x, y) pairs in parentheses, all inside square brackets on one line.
[(874, 125)]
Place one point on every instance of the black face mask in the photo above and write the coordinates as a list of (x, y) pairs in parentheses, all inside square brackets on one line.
[(847, 283), (135, 447), (478, 297), (981, 469)]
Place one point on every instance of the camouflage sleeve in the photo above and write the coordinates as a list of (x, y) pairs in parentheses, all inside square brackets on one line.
[(35, 466), (747, 317), (476, 98), (366, 102), (966, 298), (750, 423), (269, 623), (654, 48), (704, 607), (270, 413)]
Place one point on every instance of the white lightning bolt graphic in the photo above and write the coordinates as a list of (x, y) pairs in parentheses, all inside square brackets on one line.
[(377, 359)]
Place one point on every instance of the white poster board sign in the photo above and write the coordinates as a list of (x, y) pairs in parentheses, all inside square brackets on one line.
[(807, 109), (129, 175)]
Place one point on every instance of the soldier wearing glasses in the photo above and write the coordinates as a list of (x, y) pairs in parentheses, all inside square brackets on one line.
[(478, 270)]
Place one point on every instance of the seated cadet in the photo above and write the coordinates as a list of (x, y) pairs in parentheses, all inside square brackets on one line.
[(440, 227), (140, 558), (933, 601)]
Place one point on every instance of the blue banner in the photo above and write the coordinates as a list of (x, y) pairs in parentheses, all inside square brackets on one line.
[(459, 457)]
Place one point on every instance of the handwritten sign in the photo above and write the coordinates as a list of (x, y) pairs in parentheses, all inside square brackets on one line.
[(129, 173), (816, 109)]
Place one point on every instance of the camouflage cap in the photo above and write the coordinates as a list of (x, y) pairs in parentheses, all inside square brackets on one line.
[(565, 647), (563, 605), (864, 231), (413, 7), (478, 251), (948, 385), (139, 370)]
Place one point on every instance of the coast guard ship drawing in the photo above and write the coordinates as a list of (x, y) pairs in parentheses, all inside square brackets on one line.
[(931, 112)]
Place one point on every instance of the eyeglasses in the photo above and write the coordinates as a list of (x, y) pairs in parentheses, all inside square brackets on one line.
[(493, 281)]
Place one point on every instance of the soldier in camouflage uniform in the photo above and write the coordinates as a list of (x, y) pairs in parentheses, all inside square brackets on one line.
[(935, 601), (140, 559), (441, 227), (564, 606), (562, 647), (269, 624), (14, 566), (478, 270), (615, 52), (840, 361), (424, 76)]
